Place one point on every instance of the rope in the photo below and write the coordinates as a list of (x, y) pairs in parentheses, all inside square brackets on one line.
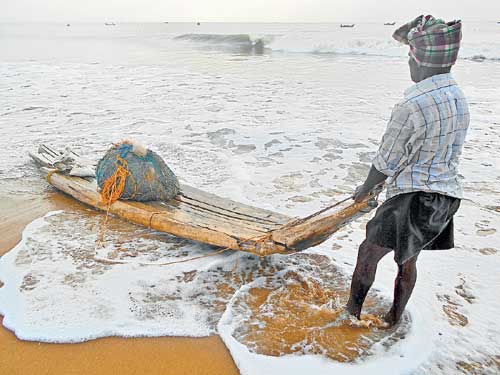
[(217, 252), (112, 261), (317, 213), (49, 175), (151, 218), (373, 194), (112, 188)]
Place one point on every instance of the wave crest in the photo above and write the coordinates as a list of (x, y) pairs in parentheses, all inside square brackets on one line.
[(327, 43), (216, 38)]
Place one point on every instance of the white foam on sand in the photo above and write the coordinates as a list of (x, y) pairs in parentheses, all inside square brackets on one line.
[(58, 289)]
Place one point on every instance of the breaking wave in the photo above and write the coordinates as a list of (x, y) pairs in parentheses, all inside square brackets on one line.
[(331, 43), (242, 42), (372, 47), (481, 58), (341, 46), (216, 38)]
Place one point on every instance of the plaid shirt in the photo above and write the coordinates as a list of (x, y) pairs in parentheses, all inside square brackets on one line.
[(423, 141)]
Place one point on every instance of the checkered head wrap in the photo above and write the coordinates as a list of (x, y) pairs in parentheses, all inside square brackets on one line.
[(433, 42)]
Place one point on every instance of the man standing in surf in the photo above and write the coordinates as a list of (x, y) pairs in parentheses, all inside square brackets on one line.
[(418, 155)]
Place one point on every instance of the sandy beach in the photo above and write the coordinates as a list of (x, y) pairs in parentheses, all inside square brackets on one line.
[(166, 355)]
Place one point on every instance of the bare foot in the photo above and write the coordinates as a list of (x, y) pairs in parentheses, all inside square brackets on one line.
[(343, 317), (370, 320), (389, 319), (365, 321), (353, 310)]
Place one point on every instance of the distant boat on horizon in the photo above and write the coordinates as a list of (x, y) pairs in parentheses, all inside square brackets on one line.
[(347, 25), (389, 23)]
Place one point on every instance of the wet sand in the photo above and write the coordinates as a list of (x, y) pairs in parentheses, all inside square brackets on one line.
[(165, 355)]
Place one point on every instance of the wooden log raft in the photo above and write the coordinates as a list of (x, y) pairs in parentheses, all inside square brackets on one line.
[(197, 215)]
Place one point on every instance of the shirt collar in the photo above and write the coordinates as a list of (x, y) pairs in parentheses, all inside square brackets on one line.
[(432, 83)]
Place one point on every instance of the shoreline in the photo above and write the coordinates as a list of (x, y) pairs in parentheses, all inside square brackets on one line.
[(165, 355)]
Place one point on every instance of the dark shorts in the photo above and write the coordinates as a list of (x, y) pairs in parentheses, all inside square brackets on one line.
[(411, 222)]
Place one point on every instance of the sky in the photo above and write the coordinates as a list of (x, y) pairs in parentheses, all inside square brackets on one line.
[(243, 10)]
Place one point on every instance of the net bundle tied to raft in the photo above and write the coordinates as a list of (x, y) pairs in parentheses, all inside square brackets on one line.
[(129, 171)]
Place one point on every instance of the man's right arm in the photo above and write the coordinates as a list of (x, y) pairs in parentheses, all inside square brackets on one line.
[(374, 178), (392, 153)]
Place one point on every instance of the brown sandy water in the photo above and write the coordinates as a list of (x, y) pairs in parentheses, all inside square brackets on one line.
[(300, 321), (297, 314), (165, 355)]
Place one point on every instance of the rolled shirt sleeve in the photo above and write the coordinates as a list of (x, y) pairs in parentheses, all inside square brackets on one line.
[(393, 151)]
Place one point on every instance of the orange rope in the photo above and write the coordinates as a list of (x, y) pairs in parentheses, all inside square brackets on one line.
[(113, 187), (112, 190)]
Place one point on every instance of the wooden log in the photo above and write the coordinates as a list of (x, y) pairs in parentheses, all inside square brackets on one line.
[(316, 230), (186, 214), (209, 209), (177, 225), (228, 205)]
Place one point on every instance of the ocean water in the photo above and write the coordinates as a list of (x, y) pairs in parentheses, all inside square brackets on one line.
[(290, 129)]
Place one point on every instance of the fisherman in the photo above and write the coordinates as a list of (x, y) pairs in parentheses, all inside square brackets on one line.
[(418, 156)]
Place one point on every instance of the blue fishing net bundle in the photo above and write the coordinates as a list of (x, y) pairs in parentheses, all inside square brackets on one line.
[(148, 177)]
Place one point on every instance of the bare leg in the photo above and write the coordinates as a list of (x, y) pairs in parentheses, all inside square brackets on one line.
[(364, 274), (403, 287)]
